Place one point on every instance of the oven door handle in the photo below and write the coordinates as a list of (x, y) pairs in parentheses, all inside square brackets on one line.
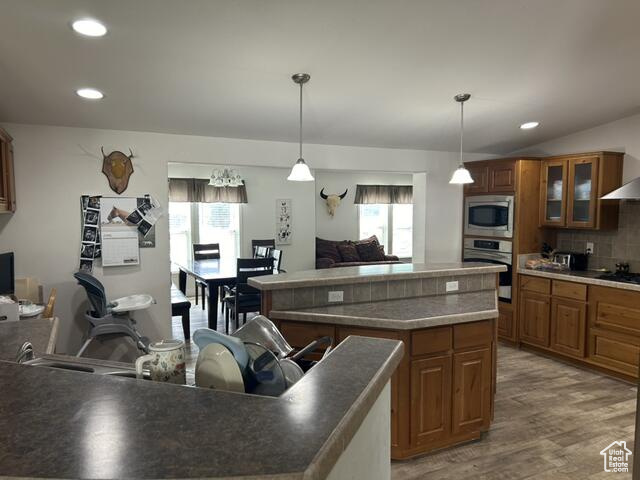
[(488, 256)]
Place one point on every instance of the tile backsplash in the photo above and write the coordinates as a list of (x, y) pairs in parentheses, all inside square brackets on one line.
[(610, 247)]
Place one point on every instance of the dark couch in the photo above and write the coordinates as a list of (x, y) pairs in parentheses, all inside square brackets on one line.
[(347, 253)]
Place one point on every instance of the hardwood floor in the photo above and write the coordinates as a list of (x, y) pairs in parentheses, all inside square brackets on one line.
[(551, 421)]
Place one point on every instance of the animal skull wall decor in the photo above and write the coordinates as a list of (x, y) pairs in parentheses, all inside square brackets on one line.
[(117, 167), (333, 200)]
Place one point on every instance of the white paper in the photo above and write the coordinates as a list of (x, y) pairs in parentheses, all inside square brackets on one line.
[(120, 247)]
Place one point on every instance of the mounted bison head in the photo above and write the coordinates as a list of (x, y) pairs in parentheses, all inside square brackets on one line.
[(333, 200), (118, 168)]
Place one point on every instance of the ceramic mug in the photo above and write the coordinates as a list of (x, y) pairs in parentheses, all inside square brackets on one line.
[(166, 360)]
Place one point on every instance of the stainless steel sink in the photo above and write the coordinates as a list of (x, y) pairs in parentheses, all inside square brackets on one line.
[(86, 365)]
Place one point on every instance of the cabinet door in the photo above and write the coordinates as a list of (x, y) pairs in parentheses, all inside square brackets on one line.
[(534, 318), (582, 192), (502, 177), (430, 399), (4, 175), (568, 327), (505, 324), (553, 193), (480, 175), (471, 391)]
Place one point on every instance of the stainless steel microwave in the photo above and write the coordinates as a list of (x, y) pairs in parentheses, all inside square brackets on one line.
[(489, 215)]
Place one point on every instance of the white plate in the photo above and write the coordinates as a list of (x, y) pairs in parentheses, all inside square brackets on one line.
[(30, 310), (216, 368)]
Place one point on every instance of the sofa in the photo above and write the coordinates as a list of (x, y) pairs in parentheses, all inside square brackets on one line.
[(347, 253)]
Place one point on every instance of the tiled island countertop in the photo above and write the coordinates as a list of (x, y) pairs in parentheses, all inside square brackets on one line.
[(64, 424)]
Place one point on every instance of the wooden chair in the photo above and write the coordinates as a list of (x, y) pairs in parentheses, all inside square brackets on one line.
[(180, 306), (245, 298), (48, 310), (271, 243), (205, 251)]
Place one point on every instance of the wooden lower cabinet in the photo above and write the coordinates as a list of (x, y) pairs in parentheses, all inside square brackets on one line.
[(568, 326), (442, 391), (598, 327), (430, 399), (472, 389), (506, 327), (534, 318)]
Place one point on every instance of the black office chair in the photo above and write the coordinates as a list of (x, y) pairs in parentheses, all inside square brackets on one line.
[(245, 298), (271, 243), (205, 251)]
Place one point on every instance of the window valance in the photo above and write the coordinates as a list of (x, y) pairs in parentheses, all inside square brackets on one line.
[(384, 194), (197, 190)]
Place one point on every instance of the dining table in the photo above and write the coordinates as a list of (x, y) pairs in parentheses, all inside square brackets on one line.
[(215, 273)]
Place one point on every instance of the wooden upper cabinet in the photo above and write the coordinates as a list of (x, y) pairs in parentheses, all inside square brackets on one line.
[(553, 193), (502, 177), (571, 187), (480, 173), (7, 183)]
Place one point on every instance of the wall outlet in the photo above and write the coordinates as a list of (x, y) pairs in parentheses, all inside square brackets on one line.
[(452, 286), (589, 249), (337, 296)]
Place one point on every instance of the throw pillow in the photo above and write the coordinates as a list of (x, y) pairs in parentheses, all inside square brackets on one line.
[(348, 252), (327, 249), (369, 252), (372, 238)]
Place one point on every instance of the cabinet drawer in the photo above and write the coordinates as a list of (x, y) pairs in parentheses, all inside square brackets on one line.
[(472, 334), (614, 351), (429, 341), (576, 291), (302, 334), (535, 284)]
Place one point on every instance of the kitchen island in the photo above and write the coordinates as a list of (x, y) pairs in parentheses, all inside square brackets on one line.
[(442, 393), (333, 423)]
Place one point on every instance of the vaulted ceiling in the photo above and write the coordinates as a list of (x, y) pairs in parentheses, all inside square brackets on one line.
[(383, 73)]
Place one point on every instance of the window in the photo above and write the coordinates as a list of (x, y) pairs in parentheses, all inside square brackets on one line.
[(392, 224), (191, 223), (220, 223)]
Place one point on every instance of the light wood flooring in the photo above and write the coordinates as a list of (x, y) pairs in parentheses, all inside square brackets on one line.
[(551, 421)]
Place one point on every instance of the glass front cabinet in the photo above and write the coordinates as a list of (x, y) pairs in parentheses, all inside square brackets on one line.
[(571, 187)]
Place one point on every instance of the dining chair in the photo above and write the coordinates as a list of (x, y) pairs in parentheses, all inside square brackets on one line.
[(277, 260), (269, 243), (204, 251), (245, 298), (48, 310)]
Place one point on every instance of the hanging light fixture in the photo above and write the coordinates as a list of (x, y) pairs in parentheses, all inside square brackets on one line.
[(461, 175), (300, 171), (226, 177)]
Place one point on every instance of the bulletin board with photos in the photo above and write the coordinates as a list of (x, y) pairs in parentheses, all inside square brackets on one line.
[(129, 223)]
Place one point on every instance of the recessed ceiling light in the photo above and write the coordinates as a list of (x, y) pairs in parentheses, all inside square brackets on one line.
[(529, 125), (90, 93), (89, 27)]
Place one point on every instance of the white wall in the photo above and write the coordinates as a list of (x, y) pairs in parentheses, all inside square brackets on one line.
[(264, 186), (55, 165), (344, 224), (622, 136), (419, 217)]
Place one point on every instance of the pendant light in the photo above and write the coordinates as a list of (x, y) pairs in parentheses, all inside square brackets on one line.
[(461, 175), (300, 171)]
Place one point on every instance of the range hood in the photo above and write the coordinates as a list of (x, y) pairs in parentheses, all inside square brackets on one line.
[(628, 191)]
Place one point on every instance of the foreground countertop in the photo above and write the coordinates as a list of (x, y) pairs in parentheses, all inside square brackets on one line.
[(404, 313), (590, 278), (66, 424), (41, 332), (369, 273)]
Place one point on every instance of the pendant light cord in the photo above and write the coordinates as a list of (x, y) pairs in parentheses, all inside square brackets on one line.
[(300, 121), (461, 129)]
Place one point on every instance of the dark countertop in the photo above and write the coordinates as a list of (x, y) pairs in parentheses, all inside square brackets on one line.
[(404, 313), (370, 273), (66, 424), (590, 278), (41, 332)]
